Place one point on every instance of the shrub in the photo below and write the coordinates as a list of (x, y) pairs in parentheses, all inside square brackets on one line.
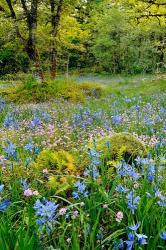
[(122, 143)]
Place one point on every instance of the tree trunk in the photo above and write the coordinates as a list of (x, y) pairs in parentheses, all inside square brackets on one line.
[(29, 43), (55, 21)]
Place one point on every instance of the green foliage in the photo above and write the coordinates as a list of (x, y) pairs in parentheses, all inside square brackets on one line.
[(123, 145), (11, 62), (125, 46), (60, 164)]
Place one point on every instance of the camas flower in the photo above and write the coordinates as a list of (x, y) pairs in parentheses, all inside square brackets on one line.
[(4, 204), (130, 241), (121, 189), (10, 150), (141, 239), (134, 227), (116, 119), (81, 190), (163, 235), (132, 201), (46, 212), (1, 188)]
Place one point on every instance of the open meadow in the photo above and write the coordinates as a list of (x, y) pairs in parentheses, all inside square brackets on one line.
[(84, 175)]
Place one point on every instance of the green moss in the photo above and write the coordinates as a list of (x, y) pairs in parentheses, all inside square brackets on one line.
[(122, 143)]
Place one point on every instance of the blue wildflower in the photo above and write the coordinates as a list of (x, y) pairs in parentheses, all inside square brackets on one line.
[(134, 227), (118, 245), (116, 119), (130, 241), (36, 122), (121, 189), (93, 153), (80, 186), (132, 201), (163, 235), (1, 188), (151, 173), (141, 239), (10, 150), (8, 121), (81, 190), (47, 214), (2, 104), (75, 195), (4, 204), (29, 147), (24, 184)]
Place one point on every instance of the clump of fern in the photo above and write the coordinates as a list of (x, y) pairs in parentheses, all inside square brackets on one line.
[(60, 166)]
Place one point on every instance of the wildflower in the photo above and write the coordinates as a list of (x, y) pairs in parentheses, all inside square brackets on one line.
[(130, 241), (45, 171), (68, 240), (36, 193), (162, 203), (75, 195), (36, 122), (91, 172), (141, 239), (121, 189), (10, 150), (46, 211), (24, 184), (28, 192), (136, 185), (2, 158), (4, 204), (81, 190), (8, 121), (151, 173), (116, 119), (1, 188), (82, 204), (75, 214), (134, 227), (132, 202), (29, 147), (118, 245), (2, 104), (93, 153), (163, 235), (119, 216), (80, 186), (62, 211), (105, 206)]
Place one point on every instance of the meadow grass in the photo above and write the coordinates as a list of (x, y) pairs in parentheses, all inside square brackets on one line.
[(76, 196)]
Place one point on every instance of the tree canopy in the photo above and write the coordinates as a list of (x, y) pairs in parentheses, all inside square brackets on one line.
[(122, 36)]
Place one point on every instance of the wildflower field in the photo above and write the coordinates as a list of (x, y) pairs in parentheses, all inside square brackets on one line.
[(84, 173)]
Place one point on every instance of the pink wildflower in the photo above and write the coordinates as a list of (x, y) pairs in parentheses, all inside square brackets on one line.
[(119, 216), (28, 192), (62, 211)]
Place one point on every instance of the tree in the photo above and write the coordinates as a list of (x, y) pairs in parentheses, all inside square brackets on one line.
[(56, 12), (30, 13)]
